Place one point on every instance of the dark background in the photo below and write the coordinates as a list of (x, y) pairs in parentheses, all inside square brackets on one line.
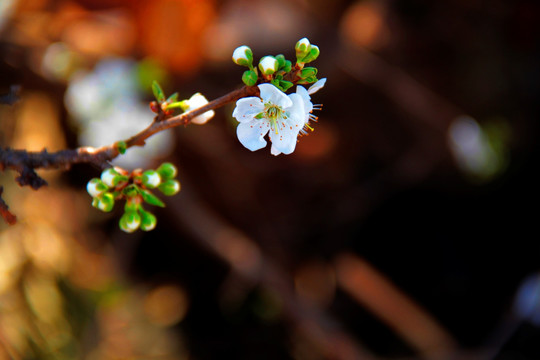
[(376, 181)]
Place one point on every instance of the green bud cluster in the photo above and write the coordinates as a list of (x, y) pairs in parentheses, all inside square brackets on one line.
[(277, 69), (115, 184)]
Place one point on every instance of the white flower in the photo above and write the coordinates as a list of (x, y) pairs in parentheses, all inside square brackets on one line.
[(274, 112), (308, 105), (196, 101)]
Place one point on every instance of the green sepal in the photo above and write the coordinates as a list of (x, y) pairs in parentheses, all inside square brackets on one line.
[(281, 61), (121, 146), (312, 55), (288, 66), (308, 72), (158, 91), (167, 171), (178, 104), (309, 80), (250, 77), (259, 116), (151, 198), (285, 85)]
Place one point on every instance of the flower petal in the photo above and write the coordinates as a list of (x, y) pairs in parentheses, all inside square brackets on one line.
[(317, 86), (270, 93), (274, 151), (247, 108), (308, 105), (296, 113), (251, 134)]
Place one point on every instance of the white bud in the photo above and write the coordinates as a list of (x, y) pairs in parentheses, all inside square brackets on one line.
[(268, 65), (95, 187), (108, 177), (242, 55), (151, 179), (196, 101), (302, 45)]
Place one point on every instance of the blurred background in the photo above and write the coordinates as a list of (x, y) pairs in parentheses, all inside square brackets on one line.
[(398, 229)]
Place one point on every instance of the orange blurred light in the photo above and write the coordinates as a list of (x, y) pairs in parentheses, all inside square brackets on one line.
[(171, 31), (166, 305), (363, 24)]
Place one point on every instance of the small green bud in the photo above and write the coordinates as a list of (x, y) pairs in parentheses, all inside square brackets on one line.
[(249, 77), (151, 179), (106, 202), (151, 198), (130, 221), (167, 171), (243, 56), (302, 48), (285, 85), (148, 220), (158, 92), (268, 65), (121, 146), (169, 187), (96, 187)]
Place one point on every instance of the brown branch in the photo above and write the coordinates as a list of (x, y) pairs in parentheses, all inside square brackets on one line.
[(4, 210), (26, 162)]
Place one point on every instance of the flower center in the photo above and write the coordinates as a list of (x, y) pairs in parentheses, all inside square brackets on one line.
[(273, 113)]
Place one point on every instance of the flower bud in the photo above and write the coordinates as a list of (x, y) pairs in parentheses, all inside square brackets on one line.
[(196, 101), (151, 179), (105, 202), (110, 177), (130, 221), (243, 56), (148, 220), (249, 77), (268, 65), (96, 187), (302, 48), (313, 54), (167, 171), (169, 187)]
